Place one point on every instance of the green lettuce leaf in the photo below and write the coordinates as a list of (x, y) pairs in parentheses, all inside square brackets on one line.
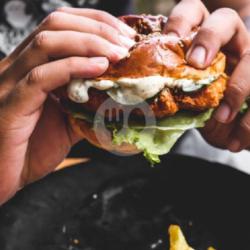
[(155, 139), (244, 108), (158, 139)]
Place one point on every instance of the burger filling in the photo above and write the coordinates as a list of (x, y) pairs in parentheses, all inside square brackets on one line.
[(132, 91)]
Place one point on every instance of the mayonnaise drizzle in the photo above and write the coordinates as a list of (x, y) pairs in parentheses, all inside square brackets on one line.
[(78, 89), (132, 91)]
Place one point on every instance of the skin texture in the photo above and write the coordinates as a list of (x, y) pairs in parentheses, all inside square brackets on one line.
[(227, 129), (34, 134), (32, 143)]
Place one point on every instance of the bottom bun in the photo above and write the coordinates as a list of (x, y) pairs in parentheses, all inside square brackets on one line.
[(101, 138)]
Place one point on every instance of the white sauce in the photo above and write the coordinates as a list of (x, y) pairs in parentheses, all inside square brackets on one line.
[(131, 91), (78, 89)]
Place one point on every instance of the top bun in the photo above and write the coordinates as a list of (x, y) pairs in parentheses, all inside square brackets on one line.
[(158, 54)]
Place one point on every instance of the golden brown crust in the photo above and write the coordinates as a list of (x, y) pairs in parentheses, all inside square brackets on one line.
[(158, 54), (163, 55), (162, 106), (208, 97)]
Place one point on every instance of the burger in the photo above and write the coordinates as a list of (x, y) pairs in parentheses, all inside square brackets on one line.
[(146, 101)]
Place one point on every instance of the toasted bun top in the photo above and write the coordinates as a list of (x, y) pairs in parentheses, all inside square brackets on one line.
[(158, 54)]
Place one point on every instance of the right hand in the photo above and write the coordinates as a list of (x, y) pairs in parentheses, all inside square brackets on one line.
[(34, 135), (222, 29)]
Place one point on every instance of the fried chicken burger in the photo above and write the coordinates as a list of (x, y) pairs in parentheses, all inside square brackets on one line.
[(145, 102)]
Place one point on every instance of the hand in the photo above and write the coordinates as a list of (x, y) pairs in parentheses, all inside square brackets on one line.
[(221, 29), (34, 135)]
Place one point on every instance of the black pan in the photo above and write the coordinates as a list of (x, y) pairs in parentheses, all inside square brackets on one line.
[(124, 204)]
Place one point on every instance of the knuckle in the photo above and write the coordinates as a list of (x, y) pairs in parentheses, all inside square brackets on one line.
[(100, 14), (106, 31), (62, 9), (71, 63), (40, 39), (102, 29), (91, 41), (246, 55), (236, 92), (52, 18), (35, 76), (207, 32)]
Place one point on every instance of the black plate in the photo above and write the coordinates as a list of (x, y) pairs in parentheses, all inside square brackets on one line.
[(132, 209)]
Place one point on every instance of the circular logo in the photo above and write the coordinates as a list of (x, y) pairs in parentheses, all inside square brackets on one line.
[(119, 127)]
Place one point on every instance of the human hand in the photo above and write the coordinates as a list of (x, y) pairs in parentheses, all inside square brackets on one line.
[(34, 135), (221, 29)]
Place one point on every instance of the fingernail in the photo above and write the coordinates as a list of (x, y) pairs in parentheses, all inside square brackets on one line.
[(99, 60), (223, 113), (234, 146), (127, 42), (198, 56), (120, 52), (172, 34), (126, 30)]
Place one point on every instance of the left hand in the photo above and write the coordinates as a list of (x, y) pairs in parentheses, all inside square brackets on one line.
[(221, 29), (34, 134)]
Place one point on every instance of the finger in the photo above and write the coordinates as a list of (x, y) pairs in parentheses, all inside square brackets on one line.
[(241, 135), (101, 16), (65, 21), (214, 34), (30, 93), (49, 45), (217, 134), (181, 21), (237, 91), (103, 25)]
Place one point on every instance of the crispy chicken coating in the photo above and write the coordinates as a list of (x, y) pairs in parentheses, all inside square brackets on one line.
[(208, 97)]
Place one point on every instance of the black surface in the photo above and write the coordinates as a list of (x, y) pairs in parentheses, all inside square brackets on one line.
[(53, 212)]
